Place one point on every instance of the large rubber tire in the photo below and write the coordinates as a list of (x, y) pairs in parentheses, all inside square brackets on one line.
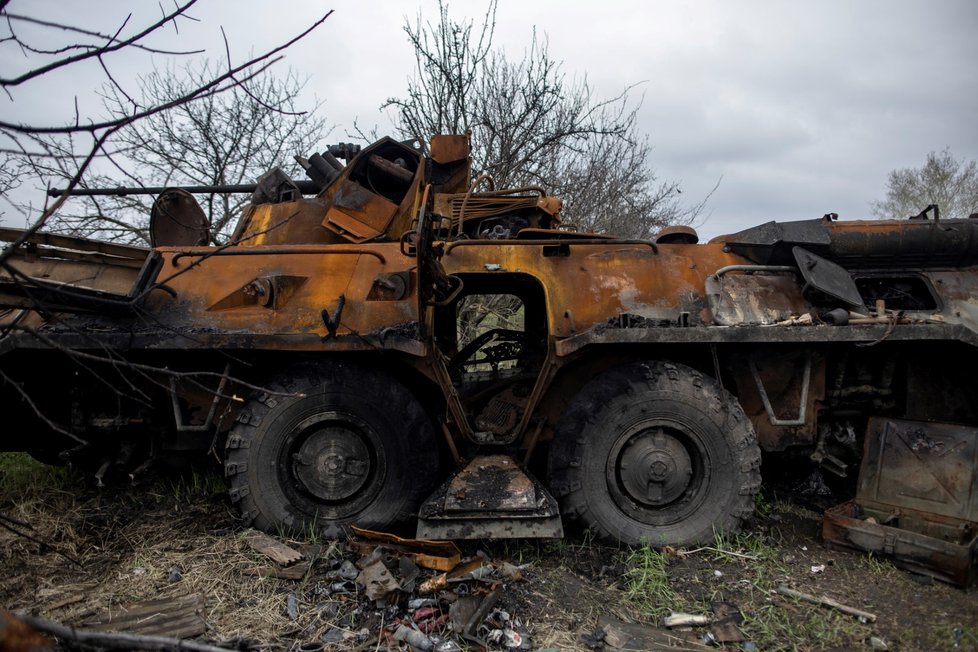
[(655, 453), (329, 446)]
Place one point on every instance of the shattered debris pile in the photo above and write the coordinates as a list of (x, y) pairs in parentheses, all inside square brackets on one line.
[(129, 568), (380, 590), (373, 591)]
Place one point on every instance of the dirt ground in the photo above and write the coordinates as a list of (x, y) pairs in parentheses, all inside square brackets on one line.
[(94, 551)]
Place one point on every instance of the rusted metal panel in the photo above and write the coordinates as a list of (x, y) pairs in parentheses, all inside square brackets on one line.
[(491, 497), (931, 468), (917, 500), (177, 219), (862, 244), (757, 298), (780, 391), (358, 214), (295, 222), (588, 282), (448, 149), (852, 527), (275, 291)]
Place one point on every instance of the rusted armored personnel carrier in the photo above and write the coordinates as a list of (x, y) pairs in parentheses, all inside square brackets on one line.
[(329, 355)]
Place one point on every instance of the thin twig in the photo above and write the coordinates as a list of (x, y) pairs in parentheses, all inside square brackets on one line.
[(722, 552), (828, 602), (5, 524), (118, 641)]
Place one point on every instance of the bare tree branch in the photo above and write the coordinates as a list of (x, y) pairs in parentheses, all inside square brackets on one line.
[(531, 125), (113, 44)]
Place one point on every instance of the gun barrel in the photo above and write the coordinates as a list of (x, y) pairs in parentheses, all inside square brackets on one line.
[(305, 186)]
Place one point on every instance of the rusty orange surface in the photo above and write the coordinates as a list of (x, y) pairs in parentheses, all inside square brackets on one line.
[(202, 281), (599, 280)]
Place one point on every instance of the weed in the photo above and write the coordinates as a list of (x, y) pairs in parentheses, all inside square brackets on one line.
[(745, 545), (877, 565), (647, 582), (197, 485), (774, 627)]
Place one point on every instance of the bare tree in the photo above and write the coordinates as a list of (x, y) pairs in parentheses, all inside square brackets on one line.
[(35, 52), (531, 125), (948, 182), (224, 139), (81, 139)]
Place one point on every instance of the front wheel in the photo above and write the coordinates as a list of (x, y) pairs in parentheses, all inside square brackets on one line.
[(655, 453), (330, 446)]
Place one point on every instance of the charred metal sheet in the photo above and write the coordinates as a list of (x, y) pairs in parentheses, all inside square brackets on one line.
[(770, 243), (861, 244), (358, 214), (60, 273), (437, 555), (297, 222), (827, 277), (768, 334), (768, 297), (925, 467), (917, 500), (491, 497), (490, 482), (176, 220)]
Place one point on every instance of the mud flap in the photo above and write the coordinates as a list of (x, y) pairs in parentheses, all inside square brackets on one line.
[(490, 498)]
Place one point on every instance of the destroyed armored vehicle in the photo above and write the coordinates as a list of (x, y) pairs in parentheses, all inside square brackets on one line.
[(389, 342)]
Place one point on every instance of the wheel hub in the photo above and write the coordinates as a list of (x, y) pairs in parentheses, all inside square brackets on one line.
[(333, 463), (655, 468)]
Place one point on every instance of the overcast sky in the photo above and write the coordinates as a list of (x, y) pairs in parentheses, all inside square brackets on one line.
[(799, 108)]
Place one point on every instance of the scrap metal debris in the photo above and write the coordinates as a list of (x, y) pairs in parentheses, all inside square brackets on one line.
[(381, 590)]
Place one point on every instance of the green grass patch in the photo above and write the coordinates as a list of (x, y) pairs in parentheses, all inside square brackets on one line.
[(806, 627), (647, 582), (21, 475), (195, 484)]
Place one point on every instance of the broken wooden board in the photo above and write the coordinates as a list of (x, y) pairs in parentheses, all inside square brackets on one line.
[(725, 623), (310, 552), (176, 617), (635, 637), (275, 550)]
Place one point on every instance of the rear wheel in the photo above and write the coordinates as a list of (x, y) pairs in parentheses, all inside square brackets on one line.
[(655, 453), (331, 446)]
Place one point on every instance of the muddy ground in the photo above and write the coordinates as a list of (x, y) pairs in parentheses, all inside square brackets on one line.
[(94, 551)]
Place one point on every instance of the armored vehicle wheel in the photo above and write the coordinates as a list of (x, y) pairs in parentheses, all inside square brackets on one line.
[(329, 446), (655, 453)]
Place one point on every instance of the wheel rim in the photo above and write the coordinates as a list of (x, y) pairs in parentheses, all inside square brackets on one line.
[(653, 466), (337, 462)]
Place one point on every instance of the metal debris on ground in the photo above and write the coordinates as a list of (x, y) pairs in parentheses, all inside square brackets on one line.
[(726, 621), (377, 590), (679, 619)]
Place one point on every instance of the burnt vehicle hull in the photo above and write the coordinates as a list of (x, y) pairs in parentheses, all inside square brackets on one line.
[(402, 348)]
